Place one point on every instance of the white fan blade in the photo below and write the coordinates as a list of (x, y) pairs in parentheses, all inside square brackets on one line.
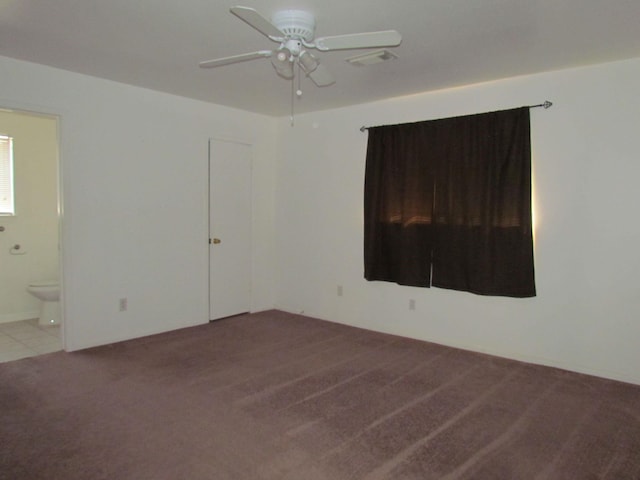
[(257, 21), (322, 77), (218, 62), (386, 38)]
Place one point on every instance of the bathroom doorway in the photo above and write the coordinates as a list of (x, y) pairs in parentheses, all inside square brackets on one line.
[(30, 234)]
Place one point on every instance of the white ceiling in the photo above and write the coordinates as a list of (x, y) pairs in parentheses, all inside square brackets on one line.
[(158, 43)]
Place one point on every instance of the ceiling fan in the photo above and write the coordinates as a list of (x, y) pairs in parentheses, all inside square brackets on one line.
[(294, 30)]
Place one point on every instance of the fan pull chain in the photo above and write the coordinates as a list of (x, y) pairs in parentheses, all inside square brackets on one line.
[(299, 91), (293, 87), (295, 92)]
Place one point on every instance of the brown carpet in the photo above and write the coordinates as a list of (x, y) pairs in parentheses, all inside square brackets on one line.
[(280, 396)]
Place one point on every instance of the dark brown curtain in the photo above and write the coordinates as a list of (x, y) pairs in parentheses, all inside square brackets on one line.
[(448, 204)]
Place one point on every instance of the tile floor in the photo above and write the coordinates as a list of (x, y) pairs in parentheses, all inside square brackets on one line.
[(27, 339)]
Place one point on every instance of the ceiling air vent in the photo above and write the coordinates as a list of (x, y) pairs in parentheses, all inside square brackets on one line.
[(372, 57)]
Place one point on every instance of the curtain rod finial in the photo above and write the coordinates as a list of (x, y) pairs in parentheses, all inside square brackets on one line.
[(547, 104)]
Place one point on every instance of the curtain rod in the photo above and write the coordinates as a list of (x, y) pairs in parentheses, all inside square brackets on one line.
[(546, 104)]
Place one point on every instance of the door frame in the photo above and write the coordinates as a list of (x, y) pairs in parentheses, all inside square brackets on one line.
[(57, 116)]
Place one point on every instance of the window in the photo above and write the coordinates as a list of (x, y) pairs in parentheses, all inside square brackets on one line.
[(448, 204), (6, 176)]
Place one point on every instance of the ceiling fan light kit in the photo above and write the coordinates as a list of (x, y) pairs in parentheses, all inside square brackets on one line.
[(281, 62), (294, 30), (308, 62)]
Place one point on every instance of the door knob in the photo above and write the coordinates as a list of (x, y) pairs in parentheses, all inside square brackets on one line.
[(216, 241)]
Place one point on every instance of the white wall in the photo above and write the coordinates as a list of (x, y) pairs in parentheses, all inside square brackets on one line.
[(35, 225), (134, 183), (586, 168)]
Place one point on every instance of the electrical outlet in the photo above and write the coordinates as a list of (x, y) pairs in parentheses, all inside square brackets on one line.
[(122, 305), (339, 290), (412, 304)]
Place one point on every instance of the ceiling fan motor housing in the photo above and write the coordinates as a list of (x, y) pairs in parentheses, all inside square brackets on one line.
[(295, 24)]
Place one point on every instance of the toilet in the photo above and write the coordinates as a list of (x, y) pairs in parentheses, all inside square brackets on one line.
[(48, 292)]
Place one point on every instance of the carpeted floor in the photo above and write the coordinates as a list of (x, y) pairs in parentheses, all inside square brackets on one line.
[(280, 396)]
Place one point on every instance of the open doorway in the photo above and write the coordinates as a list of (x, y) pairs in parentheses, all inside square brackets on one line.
[(30, 316)]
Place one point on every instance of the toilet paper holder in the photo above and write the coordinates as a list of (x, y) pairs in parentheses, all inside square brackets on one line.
[(17, 250)]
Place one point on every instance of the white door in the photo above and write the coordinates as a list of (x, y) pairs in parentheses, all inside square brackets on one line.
[(229, 228)]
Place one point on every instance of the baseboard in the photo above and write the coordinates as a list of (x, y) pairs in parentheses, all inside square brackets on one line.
[(17, 317), (630, 376)]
